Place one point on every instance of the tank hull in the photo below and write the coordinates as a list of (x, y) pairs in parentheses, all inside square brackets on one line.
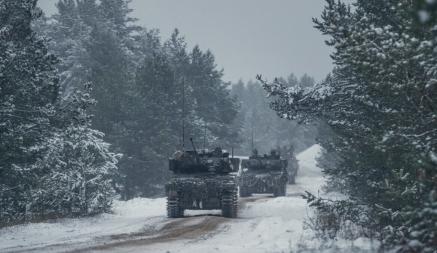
[(202, 181), (202, 192), (270, 183), (263, 174)]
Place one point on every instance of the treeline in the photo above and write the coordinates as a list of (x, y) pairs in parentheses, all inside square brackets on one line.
[(380, 101), (144, 87), (261, 128), (52, 163), (92, 105)]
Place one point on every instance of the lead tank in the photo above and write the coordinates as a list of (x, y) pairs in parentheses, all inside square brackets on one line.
[(263, 174), (203, 180)]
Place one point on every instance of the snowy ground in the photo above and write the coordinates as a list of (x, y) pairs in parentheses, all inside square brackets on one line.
[(265, 224)]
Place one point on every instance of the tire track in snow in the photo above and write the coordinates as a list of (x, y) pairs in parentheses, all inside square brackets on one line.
[(192, 228)]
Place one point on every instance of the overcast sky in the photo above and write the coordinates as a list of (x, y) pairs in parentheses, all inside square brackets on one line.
[(248, 37)]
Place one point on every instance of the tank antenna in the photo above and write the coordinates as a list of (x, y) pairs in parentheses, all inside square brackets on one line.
[(195, 150), (252, 144), (204, 136), (183, 114)]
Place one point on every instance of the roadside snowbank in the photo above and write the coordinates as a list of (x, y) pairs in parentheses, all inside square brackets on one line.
[(128, 216)]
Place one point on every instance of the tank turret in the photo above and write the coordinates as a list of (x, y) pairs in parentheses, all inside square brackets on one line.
[(193, 161)]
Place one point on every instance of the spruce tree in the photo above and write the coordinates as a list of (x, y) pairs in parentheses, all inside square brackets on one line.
[(81, 171), (28, 92), (52, 163)]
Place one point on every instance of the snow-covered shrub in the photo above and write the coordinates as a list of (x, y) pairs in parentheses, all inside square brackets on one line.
[(340, 219), (80, 171), (80, 178)]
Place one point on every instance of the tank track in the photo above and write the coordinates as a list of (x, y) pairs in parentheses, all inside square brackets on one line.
[(230, 204), (174, 209)]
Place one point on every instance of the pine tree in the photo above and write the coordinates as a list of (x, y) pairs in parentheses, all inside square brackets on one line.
[(94, 43), (52, 163), (307, 82), (154, 126), (213, 105), (28, 91), (70, 33)]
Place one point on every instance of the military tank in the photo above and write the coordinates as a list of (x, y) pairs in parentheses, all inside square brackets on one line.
[(203, 180), (263, 174)]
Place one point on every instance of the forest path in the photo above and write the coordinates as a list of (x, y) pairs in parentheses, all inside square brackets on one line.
[(264, 224), (192, 228)]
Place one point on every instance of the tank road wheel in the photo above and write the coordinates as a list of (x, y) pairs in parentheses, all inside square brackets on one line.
[(230, 204)]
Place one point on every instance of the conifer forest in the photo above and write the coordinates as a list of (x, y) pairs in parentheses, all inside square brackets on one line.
[(218, 126)]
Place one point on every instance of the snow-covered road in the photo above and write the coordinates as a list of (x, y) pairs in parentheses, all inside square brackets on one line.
[(265, 224)]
